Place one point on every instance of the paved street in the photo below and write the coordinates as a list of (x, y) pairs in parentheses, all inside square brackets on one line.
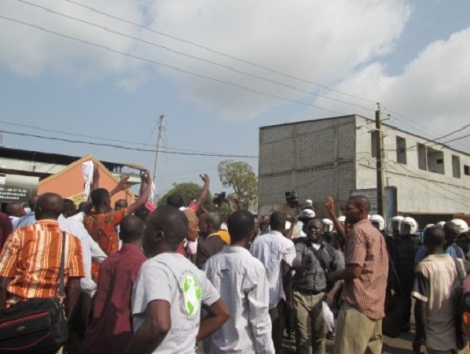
[(400, 345)]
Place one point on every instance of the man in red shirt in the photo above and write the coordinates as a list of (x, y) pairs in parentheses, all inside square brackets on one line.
[(111, 327)]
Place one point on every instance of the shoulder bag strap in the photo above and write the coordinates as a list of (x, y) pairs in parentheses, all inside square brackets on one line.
[(317, 255), (61, 269)]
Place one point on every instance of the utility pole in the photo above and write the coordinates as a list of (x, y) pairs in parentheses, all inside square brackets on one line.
[(380, 163), (161, 125)]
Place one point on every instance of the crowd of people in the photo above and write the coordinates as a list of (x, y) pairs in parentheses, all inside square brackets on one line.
[(183, 279)]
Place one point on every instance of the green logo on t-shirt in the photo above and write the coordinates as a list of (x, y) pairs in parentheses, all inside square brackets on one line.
[(192, 294)]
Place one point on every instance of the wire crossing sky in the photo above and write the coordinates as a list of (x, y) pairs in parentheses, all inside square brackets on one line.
[(105, 72)]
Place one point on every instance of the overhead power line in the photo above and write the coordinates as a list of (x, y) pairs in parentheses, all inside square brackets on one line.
[(405, 121), (452, 133), (219, 52), (227, 67), (461, 137), (242, 60), (130, 148), (172, 67), (75, 134)]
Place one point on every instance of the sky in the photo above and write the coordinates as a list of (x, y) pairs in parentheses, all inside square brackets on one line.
[(75, 72)]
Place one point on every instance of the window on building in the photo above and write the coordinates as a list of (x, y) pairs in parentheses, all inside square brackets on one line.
[(466, 170), (401, 150), (455, 166), (435, 160), (373, 143), (422, 158)]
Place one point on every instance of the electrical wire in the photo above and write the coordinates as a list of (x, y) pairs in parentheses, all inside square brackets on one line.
[(130, 148), (72, 134), (221, 53), (405, 121), (194, 57), (171, 67)]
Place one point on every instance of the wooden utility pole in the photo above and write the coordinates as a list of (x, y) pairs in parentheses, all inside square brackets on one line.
[(380, 163), (161, 125)]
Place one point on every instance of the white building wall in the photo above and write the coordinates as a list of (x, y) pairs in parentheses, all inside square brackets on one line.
[(418, 191), (333, 156)]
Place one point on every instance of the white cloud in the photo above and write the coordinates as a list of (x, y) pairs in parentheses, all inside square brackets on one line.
[(30, 51), (322, 41), (314, 40), (432, 90)]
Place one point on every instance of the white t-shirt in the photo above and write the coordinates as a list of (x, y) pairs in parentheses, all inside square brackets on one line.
[(271, 249), (173, 278), (435, 279)]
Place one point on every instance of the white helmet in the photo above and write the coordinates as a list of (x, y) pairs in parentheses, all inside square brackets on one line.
[(307, 214), (328, 224), (440, 224), (461, 225), (395, 223), (428, 226), (378, 221), (342, 219), (309, 203), (408, 226)]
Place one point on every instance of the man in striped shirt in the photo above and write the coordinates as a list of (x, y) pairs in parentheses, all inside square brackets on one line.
[(359, 327), (30, 259)]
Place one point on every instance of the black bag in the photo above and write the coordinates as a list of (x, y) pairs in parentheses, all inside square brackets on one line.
[(395, 309), (35, 325)]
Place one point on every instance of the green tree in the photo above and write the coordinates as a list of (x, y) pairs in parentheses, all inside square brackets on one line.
[(240, 176), (189, 191)]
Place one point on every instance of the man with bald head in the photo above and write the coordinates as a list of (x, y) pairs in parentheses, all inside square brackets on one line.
[(29, 218), (212, 237), (30, 259), (170, 291), (15, 211), (277, 253), (359, 327)]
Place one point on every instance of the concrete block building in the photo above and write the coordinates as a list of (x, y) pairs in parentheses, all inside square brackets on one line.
[(337, 156)]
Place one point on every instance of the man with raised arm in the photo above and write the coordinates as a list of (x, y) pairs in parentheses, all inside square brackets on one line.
[(359, 327), (102, 224)]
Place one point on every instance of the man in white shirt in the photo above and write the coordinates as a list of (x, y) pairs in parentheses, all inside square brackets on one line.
[(277, 253), (170, 290), (90, 249), (242, 282)]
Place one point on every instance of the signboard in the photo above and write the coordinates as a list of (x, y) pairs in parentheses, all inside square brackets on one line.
[(16, 188), (390, 200)]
